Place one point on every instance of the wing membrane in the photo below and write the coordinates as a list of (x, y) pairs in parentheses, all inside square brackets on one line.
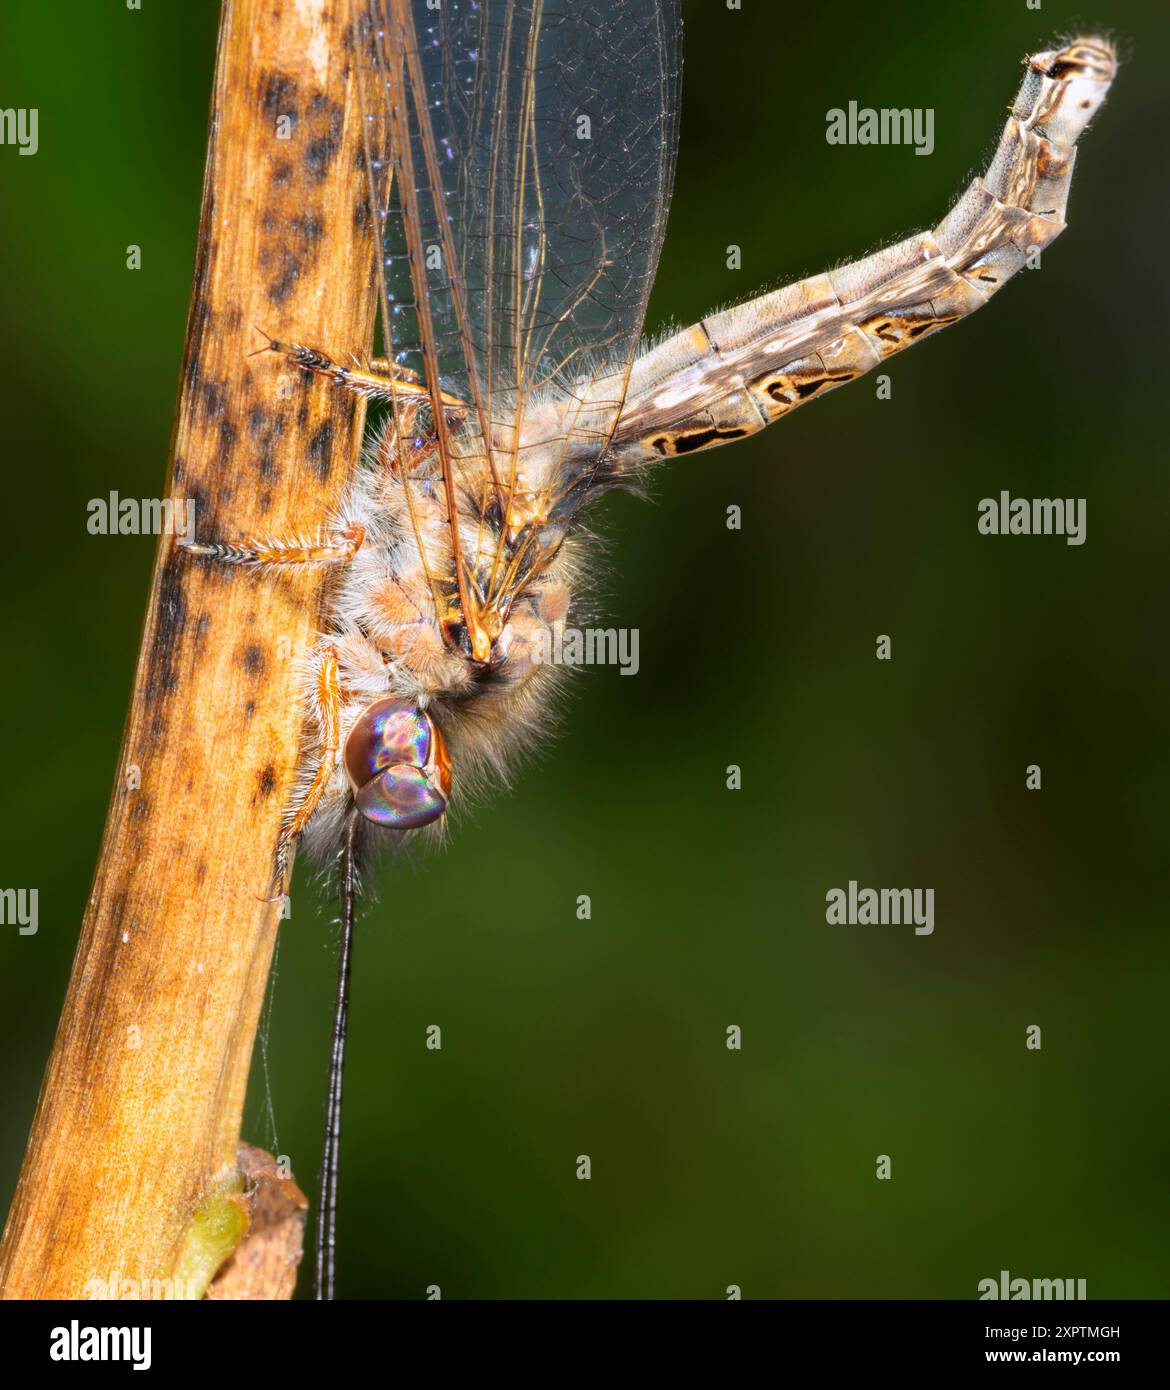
[(521, 154)]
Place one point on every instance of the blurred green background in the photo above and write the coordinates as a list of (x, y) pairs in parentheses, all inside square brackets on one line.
[(607, 1037)]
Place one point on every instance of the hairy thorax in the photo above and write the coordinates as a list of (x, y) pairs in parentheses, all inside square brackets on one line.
[(398, 629)]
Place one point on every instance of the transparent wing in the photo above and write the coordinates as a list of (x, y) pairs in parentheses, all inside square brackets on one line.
[(521, 154)]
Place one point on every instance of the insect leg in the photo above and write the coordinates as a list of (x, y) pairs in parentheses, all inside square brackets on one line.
[(375, 379), (326, 709), (329, 547)]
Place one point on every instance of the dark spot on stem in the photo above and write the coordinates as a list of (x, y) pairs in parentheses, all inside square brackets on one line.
[(199, 508), (213, 395), (285, 282), (309, 229), (319, 155), (279, 94), (162, 672), (200, 322), (321, 450)]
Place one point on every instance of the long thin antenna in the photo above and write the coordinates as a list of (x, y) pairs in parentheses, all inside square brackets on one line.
[(327, 1196)]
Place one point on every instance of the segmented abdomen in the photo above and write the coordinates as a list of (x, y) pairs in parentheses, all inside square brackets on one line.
[(739, 370)]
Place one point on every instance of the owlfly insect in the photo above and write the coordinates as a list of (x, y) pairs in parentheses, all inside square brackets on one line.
[(520, 156)]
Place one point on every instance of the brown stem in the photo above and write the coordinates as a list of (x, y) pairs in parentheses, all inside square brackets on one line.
[(138, 1120)]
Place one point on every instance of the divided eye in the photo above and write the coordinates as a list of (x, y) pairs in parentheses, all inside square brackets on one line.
[(402, 798), (389, 732), (397, 764)]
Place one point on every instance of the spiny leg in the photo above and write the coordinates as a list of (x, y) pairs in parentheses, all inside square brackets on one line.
[(330, 547), (326, 709), (376, 378)]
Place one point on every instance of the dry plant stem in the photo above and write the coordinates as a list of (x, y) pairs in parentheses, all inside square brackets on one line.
[(140, 1109)]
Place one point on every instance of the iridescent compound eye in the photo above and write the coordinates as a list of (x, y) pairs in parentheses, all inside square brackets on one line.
[(398, 767)]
